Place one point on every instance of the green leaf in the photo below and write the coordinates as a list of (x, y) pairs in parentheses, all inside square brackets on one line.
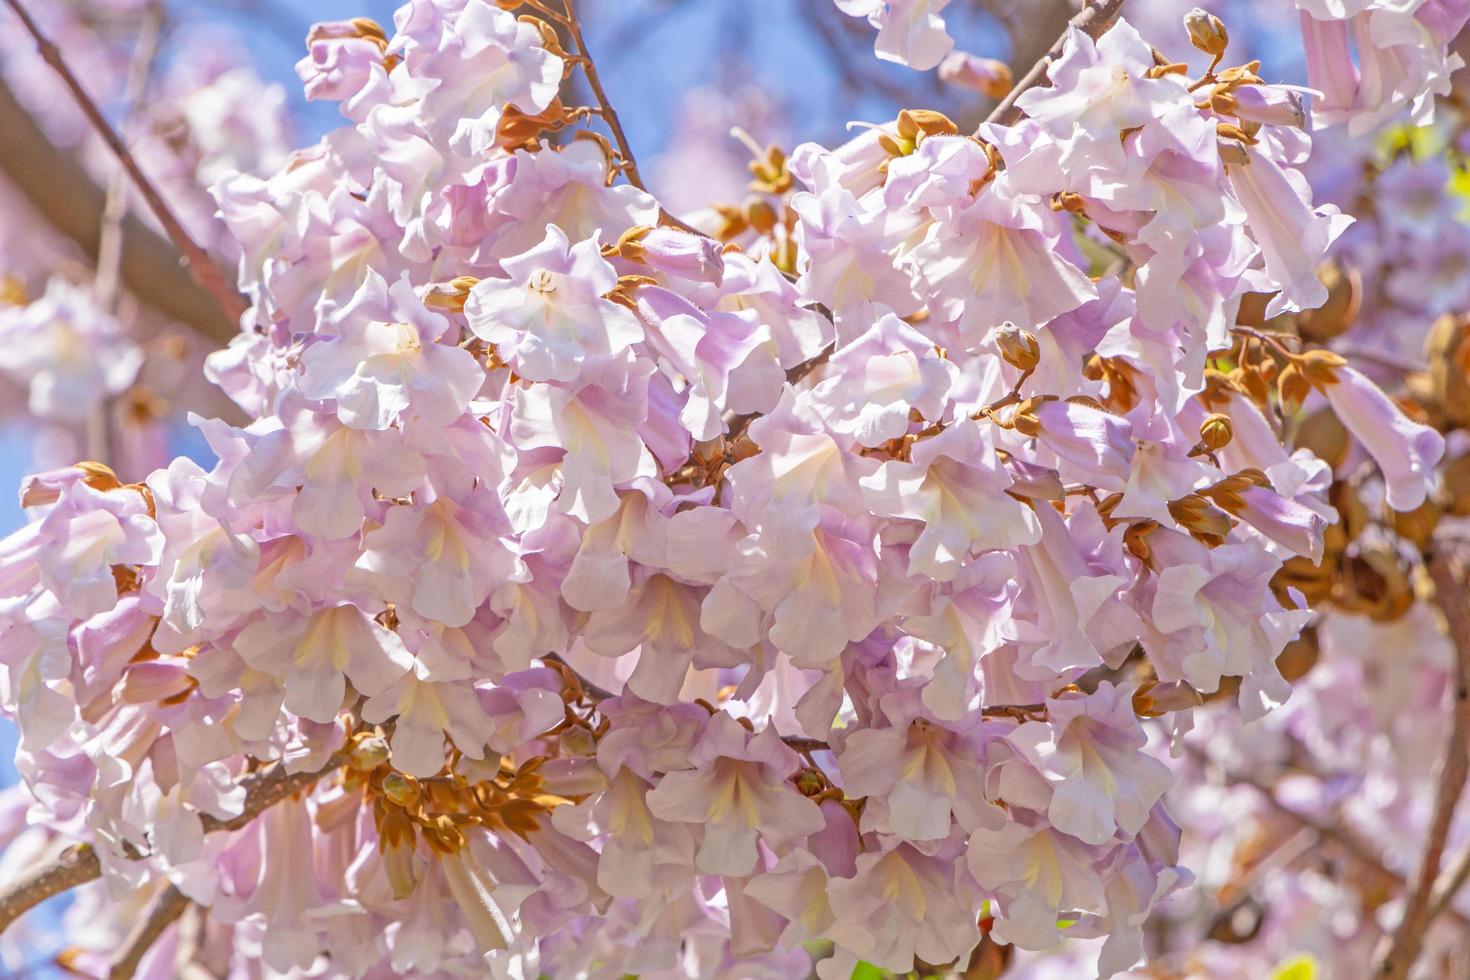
[(866, 971)]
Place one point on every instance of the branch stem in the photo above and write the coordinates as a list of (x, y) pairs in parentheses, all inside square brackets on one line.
[(1093, 21), (1447, 569), (163, 912), (79, 863), (605, 107), (204, 269)]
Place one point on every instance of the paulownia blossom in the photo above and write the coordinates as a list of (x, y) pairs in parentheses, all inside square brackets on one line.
[(611, 599)]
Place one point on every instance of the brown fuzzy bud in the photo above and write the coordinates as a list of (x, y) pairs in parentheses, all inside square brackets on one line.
[(1201, 518), (1456, 477), (1319, 367), (1375, 583), (1344, 298), (1206, 32), (1292, 388), (1018, 347), (1417, 525), (1216, 431), (401, 789), (760, 214), (1448, 354)]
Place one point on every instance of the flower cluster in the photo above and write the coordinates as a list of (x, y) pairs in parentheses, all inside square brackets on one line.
[(651, 602)]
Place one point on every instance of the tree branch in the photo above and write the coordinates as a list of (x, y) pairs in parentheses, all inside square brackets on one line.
[(79, 864), (1395, 958), (75, 865), (204, 269), (1449, 885), (1093, 21), (60, 188), (163, 912)]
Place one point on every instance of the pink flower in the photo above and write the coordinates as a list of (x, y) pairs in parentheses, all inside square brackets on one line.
[(1087, 749), (315, 655), (910, 32), (921, 770), (485, 59), (387, 364), (442, 559), (736, 789), (1405, 451), (999, 259), (985, 75), (549, 315), (955, 486)]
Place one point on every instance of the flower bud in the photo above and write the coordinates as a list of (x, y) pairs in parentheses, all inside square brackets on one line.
[(1216, 431), (1206, 32), (985, 75), (1456, 477), (449, 295), (760, 214), (1375, 583), (1153, 699), (1201, 518), (1267, 105), (1417, 525), (1292, 388), (1299, 656), (675, 252), (1319, 367), (401, 789), (578, 741), (1344, 297), (1448, 354), (1018, 347), (810, 783), (369, 751), (1322, 432)]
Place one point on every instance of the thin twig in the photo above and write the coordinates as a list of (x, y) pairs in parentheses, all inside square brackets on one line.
[(1331, 830), (598, 694), (1093, 21), (114, 210), (609, 114), (1397, 956), (205, 271), (79, 863), (189, 952), (1388, 359), (163, 912), (1449, 885)]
